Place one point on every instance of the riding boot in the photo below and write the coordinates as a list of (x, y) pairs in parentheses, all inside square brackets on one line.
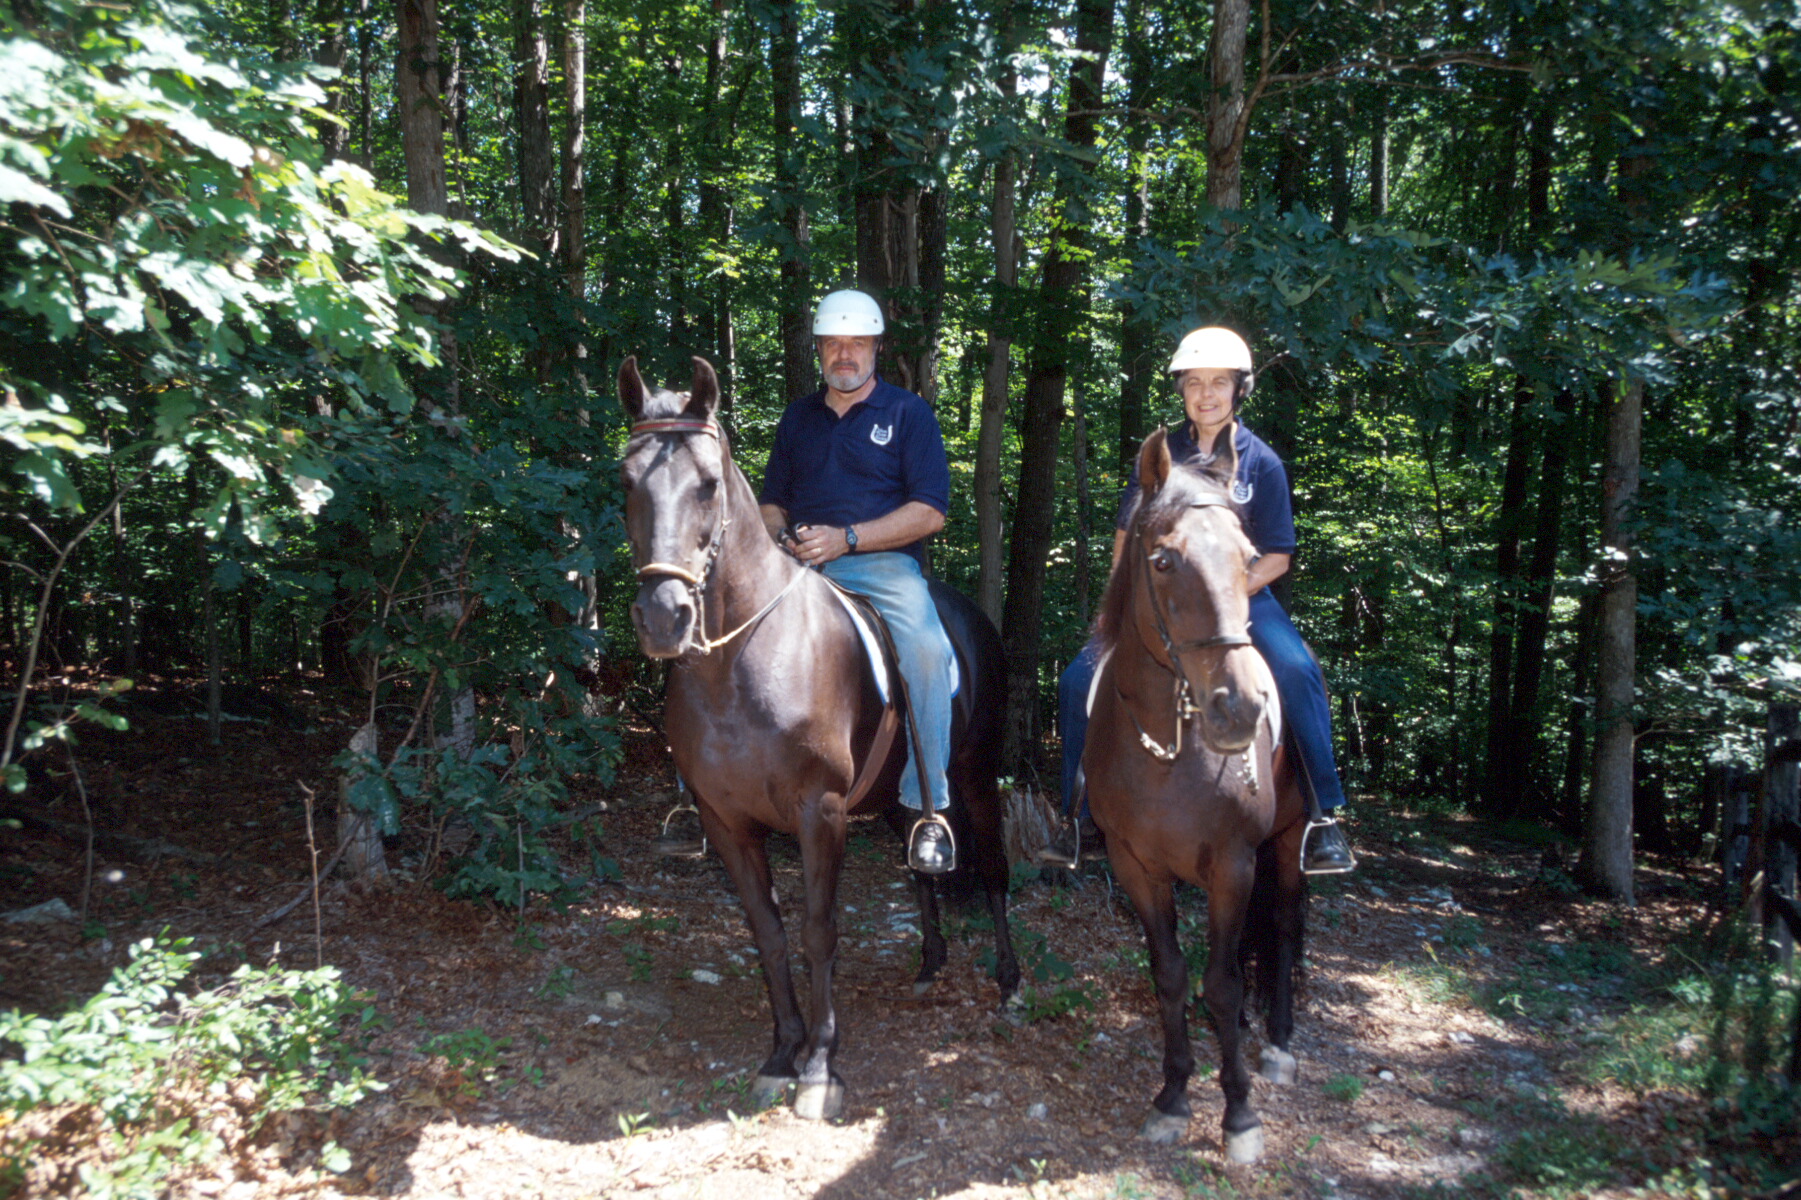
[(1324, 849)]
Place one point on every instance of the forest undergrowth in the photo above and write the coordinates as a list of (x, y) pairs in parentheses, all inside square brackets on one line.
[(1469, 1023)]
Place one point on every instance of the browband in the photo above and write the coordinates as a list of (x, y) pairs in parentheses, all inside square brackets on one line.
[(676, 425)]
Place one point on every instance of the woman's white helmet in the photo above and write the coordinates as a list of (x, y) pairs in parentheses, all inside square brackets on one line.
[(848, 313), (1211, 346)]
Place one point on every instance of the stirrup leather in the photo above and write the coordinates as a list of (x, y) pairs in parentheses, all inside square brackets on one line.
[(935, 818)]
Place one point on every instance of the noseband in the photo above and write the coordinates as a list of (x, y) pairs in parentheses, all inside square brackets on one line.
[(697, 583), (1186, 708)]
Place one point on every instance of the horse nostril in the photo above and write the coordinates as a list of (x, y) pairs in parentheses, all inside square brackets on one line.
[(1221, 704)]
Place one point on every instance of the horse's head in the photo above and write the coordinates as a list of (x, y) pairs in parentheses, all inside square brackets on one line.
[(675, 474), (1188, 560)]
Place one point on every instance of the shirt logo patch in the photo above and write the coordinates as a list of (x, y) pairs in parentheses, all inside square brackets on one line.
[(881, 435), (1242, 491)]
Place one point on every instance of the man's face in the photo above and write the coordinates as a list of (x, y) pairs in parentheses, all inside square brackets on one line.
[(848, 362)]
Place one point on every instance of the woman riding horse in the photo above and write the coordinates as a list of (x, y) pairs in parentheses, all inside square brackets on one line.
[(1213, 375)]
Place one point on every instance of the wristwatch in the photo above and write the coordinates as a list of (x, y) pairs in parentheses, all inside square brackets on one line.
[(850, 538)]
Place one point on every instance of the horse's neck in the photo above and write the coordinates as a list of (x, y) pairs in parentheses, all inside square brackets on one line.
[(751, 567)]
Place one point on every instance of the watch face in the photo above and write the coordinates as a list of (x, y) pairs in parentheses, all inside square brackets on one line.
[(850, 536)]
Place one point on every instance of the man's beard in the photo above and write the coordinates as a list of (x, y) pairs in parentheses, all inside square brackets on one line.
[(848, 379)]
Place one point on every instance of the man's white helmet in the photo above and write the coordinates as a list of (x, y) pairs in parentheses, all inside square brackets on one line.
[(848, 313), (1212, 346)]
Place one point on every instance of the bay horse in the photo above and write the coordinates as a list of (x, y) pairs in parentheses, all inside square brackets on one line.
[(1187, 779), (775, 719)]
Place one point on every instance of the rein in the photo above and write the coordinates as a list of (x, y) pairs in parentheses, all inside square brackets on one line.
[(1186, 709), (697, 584)]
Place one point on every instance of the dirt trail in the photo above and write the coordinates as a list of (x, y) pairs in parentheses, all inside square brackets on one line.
[(611, 1058)]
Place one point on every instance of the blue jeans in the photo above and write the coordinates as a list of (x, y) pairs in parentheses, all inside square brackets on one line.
[(928, 663), (1302, 688)]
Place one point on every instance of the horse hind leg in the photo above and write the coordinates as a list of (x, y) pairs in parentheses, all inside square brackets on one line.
[(980, 800), (1281, 900)]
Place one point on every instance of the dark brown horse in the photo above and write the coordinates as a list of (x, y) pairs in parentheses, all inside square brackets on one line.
[(1186, 779), (774, 716)]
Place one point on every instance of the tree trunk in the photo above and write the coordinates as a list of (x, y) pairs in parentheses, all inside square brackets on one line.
[(798, 368), (1064, 308), (992, 426), (1606, 863), (1226, 112), (1534, 614), (1780, 811), (1137, 336), (1501, 778), (1079, 458), (531, 101), (1379, 162), (334, 46), (574, 167)]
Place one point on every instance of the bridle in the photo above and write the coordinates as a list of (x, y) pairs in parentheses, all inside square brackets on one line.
[(697, 583), (1185, 707)]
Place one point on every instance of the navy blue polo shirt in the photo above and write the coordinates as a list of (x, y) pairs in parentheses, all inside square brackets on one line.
[(830, 470), (1259, 490)]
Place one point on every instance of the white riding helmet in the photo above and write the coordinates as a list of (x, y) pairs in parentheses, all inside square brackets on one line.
[(1216, 346), (848, 313)]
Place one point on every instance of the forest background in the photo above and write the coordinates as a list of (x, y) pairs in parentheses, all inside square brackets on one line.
[(310, 316)]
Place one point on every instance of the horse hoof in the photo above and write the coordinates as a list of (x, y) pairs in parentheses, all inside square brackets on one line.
[(921, 986), (1279, 1066), (1161, 1129), (1245, 1146), (819, 1101), (770, 1089)]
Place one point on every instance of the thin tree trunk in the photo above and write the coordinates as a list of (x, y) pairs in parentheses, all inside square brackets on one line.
[(1079, 456), (1535, 609), (1064, 303), (1379, 162), (1500, 778), (796, 330), (1607, 846), (1136, 335)]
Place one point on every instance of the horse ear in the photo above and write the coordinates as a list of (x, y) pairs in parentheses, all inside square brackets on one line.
[(1222, 465), (631, 388), (703, 395), (1153, 462)]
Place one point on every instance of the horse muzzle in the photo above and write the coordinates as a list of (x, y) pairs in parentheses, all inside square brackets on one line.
[(1230, 710), (665, 618)]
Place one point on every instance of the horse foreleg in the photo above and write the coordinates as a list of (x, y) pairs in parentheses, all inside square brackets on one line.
[(1228, 899), (747, 861), (1154, 898), (822, 829)]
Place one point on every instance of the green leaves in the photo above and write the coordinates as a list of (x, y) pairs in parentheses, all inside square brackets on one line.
[(167, 210)]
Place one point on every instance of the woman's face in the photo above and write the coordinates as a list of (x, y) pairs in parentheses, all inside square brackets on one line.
[(1207, 397)]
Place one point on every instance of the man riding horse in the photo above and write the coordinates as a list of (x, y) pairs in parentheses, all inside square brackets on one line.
[(856, 481), (1213, 374)]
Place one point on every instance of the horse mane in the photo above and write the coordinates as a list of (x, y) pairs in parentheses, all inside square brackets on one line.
[(1186, 483)]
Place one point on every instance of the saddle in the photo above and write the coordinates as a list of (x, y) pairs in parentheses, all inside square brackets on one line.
[(897, 706)]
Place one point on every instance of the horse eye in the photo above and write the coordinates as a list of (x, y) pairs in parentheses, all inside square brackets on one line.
[(1161, 561), (708, 487)]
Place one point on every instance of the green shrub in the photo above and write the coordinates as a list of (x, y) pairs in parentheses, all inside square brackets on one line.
[(146, 1071)]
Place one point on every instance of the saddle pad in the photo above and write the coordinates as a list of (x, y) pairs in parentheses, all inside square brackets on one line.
[(1272, 708), (872, 646)]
